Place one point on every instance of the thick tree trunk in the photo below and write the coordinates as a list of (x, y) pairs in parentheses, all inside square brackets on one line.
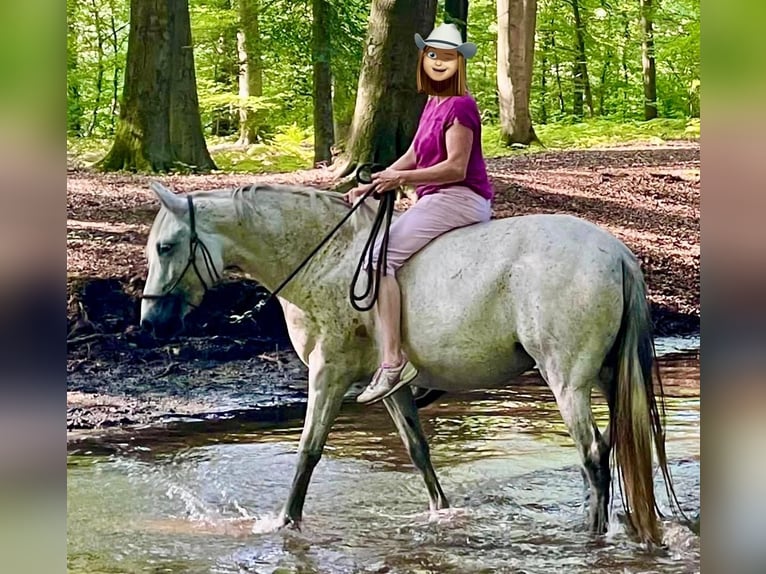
[(250, 68), (388, 106), (647, 57), (516, 20), (74, 101), (582, 89), (186, 137), (456, 12), (159, 127), (324, 133)]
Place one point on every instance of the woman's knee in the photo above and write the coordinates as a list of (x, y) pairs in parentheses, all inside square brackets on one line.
[(392, 263)]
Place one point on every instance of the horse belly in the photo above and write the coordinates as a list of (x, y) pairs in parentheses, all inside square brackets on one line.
[(465, 338), (453, 374)]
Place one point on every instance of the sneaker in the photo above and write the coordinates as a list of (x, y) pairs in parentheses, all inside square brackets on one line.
[(386, 381)]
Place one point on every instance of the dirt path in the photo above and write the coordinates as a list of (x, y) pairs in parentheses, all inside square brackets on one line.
[(117, 375)]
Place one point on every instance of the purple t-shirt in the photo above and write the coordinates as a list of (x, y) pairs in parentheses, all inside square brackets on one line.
[(431, 142)]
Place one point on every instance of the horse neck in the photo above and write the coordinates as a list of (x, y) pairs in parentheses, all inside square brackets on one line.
[(270, 235)]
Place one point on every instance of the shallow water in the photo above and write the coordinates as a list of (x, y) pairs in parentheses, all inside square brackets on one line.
[(202, 498)]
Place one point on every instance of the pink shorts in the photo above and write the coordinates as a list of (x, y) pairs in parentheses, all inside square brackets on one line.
[(431, 216)]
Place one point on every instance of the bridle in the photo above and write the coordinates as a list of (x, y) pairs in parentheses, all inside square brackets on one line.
[(382, 221), (194, 243)]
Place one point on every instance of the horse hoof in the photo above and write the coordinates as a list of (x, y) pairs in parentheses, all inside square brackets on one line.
[(288, 523), (596, 525)]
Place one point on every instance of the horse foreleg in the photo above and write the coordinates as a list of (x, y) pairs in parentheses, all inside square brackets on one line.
[(326, 391), (401, 406)]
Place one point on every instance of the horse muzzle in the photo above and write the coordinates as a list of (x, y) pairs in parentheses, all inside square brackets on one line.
[(163, 317)]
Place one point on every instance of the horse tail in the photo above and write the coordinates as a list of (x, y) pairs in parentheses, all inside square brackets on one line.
[(636, 420)]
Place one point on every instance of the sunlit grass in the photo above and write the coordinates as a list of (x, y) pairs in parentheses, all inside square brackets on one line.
[(595, 133), (291, 148)]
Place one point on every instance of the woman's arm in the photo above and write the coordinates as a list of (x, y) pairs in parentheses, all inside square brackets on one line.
[(459, 139), (407, 161)]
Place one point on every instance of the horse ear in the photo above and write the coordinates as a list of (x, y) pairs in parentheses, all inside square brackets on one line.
[(172, 202)]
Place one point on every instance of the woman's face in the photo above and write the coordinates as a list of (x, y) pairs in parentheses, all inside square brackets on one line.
[(439, 64)]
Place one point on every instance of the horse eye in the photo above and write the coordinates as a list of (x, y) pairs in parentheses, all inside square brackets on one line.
[(164, 248)]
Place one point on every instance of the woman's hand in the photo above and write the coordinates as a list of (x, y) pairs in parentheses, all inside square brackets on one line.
[(387, 180), (353, 194)]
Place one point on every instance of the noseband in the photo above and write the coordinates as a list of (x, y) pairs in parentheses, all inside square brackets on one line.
[(194, 243)]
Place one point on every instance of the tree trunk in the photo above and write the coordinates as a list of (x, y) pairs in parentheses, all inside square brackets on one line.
[(159, 127), (456, 12), (602, 86), (647, 57), (74, 100), (250, 68), (116, 67), (324, 133), (388, 106), (546, 37), (557, 68), (99, 67), (516, 20), (342, 115), (625, 68), (582, 89)]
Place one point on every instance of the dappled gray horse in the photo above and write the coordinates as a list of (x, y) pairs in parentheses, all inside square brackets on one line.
[(480, 306)]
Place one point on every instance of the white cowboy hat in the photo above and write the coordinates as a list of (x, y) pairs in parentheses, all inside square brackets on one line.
[(446, 36)]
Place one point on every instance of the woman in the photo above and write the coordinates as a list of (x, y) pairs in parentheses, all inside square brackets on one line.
[(446, 165)]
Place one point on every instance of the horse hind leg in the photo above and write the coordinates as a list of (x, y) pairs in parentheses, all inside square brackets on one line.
[(603, 467), (404, 412), (575, 406), (596, 464)]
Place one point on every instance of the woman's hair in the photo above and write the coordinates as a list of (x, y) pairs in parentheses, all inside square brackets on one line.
[(454, 86)]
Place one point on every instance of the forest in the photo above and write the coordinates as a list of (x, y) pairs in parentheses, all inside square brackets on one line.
[(588, 107), (274, 85), (181, 443)]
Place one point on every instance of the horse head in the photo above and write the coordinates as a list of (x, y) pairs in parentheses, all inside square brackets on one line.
[(184, 257)]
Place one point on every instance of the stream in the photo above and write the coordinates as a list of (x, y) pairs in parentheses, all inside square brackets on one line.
[(201, 496)]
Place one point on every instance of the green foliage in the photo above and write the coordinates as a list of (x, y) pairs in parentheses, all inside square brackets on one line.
[(613, 53), (481, 70), (97, 42), (97, 32)]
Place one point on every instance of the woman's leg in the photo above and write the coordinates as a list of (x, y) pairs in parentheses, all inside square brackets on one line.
[(430, 217), (389, 311)]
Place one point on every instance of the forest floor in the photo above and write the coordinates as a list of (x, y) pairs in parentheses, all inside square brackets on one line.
[(647, 195)]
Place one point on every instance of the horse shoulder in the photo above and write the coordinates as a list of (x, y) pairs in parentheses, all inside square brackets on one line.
[(302, 331)]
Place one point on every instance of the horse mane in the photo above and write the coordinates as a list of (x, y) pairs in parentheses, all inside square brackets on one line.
[(244, 199)]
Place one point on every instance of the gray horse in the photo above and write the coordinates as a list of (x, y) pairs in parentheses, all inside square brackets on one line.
[(480, 306)]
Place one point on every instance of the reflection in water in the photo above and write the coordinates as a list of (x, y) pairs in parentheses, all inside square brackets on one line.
[(206, 502)]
